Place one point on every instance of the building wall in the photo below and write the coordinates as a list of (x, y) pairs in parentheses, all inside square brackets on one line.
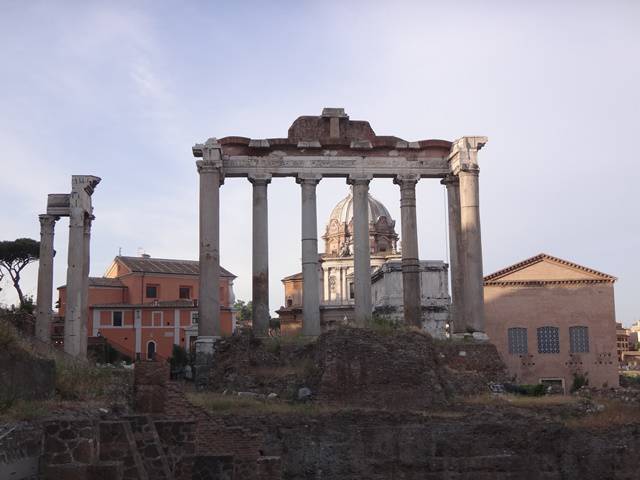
[(562, 306)]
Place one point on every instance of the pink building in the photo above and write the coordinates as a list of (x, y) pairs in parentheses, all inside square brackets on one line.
[(143, 305)]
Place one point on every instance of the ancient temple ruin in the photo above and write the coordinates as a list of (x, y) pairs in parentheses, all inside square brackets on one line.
[(333, 145), (78, 207)]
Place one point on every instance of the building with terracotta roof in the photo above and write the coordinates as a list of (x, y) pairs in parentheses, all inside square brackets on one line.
[(553, 320), (144, 305)]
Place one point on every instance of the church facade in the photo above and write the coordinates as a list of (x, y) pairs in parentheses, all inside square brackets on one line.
[(336, 275)]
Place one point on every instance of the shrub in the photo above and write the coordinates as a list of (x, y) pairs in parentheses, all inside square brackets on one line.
[(179, 357), (579, 381), (536, 390)]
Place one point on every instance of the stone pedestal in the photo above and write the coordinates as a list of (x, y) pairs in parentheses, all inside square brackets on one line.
[(311, 287), (205, 348), (45, 278), (362, 248), (410, 258), (260, 291)]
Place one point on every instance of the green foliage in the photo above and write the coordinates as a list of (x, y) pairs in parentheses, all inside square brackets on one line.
[(79, 381), (14, 257), (244, 311), (579, 381), (179, 357), (535, 390), (382, 323)]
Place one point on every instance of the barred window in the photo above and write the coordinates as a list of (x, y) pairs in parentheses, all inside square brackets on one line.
[(548, 340), (579, 339), (517, 337)]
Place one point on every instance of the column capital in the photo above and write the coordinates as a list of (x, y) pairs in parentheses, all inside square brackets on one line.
[(450, 180), (210, 167), (308, 178), (359, 178), (464, 154), (406, 179), (48, 221), (209, 151), (259, 179)]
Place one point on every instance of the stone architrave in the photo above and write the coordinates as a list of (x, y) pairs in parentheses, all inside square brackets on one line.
[(464, 163), (410, 258), (311, 284), (45, 277), (362, 248), (80, 208), (456, 255), (211, 178), (260, 291)]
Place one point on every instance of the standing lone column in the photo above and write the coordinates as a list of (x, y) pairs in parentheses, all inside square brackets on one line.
[(260, 291), (310, 279), (464, 162), (75, 270), (45, 278), (210, 170), (410, 259), (362, 248), (456, 255)]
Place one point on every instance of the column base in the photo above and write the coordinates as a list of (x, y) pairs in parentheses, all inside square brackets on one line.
[(205, 348), (475, 336)]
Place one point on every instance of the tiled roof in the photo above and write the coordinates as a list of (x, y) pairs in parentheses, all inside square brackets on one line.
[(166, 266), (105, 282), (295, 276), (494, 277)]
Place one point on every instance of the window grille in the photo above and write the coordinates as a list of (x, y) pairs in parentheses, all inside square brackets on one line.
[(579, 339), (517, 337), (548, 340)]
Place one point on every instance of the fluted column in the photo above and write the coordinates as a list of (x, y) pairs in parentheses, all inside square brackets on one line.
[(463, 162), (260, 291), (75, 271), (410, 257), (362, 248), (310, 277), (456, 255), (45, 278)]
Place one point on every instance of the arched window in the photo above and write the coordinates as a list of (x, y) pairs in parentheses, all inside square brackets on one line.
[(548, 340), (151, 350)]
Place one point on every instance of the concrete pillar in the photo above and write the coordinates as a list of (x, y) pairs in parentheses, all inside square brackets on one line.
[(463, 162), (410, 257), (473, 291), (86, 268), (310, 277), (75, 272), (260, 292), (362, 248), (211, 177), (45, 278), (456, 254)]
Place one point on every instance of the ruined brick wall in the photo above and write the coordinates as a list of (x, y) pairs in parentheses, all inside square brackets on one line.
[(69, 441), (149, 393)]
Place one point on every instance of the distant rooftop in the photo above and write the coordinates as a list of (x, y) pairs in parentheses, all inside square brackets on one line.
[(146, 264)]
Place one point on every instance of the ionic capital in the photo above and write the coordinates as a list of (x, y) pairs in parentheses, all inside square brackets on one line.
[(406, 180), (260, 179), (359, 178), (48, 222), (464, 154), (308, 178), (450, 180)]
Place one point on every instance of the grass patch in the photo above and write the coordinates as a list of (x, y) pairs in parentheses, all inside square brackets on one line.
[(233, 404), (21, 410), (522, 401), (77, 380)]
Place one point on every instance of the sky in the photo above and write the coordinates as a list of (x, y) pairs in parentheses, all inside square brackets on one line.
[(123, 89)]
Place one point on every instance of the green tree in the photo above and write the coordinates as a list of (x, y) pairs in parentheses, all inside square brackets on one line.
[(14, 257), (244, 310)]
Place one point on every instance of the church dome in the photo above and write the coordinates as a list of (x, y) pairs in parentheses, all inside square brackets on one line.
[(343, 211)]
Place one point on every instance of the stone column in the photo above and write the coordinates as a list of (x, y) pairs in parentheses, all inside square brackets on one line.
[(75, 272), (362, 248), (260, 291), (463, 161), (410, 259), (456, 255), (310, 277), (86, 268), (45, 278), (211, 177)]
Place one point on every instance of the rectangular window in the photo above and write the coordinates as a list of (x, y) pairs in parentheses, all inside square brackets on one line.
[(194, 318), (548, 340), (116, 319), (352, 292), (152, 291), (517, 337), (579, 339), (185, 293), (156, 319)]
